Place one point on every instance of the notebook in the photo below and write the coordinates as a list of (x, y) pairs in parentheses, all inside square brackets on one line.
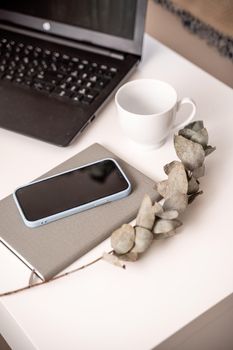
[(50, 248), (60, 61)]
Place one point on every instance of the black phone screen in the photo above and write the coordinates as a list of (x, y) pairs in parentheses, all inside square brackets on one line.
[(69, 190)]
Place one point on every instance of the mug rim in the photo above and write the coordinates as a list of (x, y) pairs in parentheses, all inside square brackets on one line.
[(143, 80)]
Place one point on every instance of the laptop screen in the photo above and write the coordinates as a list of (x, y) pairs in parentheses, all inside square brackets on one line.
[(117, 25), (115, 17)]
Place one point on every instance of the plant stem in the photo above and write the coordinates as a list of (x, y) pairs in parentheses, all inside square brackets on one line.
[(52, 279)]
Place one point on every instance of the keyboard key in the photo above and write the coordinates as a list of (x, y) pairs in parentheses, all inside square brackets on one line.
[(36, 55), (93, 78), (74, 73), (9, 47), (64, 86), (69, 79), (38, 49), (18, 80), (62, 93), (20, 74), (103, 67), (75, 59), (53, 67), (84, 75), (92, 94), (8, 77), (82, 91), (26, 51), (101, 84), (88, 84), (73, 88), (2, 68), (27, 82), (25, 60), (113, 70), (7, 54), (88, 99), (65, 58), (77, 98), (13, 64), (18, 49)]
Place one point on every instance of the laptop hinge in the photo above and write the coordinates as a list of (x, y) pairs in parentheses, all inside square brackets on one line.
[(66, 42)]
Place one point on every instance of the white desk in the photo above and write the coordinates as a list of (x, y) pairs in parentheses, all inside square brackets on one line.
[(104, 307)]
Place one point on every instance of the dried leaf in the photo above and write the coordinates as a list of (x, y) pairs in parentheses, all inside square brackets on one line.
[(193, 186), (168, 215), (199, 172), (113, 259), (190, 153), (168, 167), (195, 126), (209, 149), (143, 239), (165, 235), (162, 188), (193, 196), (164, 226), (146, 216), (131, 256), (177, 179), (187, 133), (157, 208), (176, 182), (122, 240), (201, 137), (178, 201)]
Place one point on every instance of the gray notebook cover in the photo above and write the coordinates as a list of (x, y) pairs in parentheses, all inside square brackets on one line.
[(51, 248)]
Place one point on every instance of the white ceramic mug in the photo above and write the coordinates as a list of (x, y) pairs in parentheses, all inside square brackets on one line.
[(147, 110)]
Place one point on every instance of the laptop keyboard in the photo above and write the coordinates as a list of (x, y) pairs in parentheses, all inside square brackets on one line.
[(53, 73)]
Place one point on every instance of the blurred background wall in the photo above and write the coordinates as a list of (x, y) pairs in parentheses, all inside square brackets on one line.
[(170, 23)]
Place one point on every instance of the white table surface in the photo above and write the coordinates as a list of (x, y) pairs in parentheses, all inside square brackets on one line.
[(105, 307)]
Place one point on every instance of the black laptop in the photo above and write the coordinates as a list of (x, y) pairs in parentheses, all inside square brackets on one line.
[(61, 60)]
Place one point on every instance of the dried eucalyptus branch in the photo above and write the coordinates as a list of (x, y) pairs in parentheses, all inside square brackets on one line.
[(158, 221)]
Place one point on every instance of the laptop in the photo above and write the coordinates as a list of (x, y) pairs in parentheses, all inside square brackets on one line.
[(60, 62)]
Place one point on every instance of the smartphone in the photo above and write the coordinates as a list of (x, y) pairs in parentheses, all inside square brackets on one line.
[(72, 191)]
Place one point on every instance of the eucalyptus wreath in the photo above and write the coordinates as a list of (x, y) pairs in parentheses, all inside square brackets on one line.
[(158, 220)]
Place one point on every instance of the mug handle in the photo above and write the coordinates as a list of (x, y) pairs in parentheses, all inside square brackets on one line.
[(190, 117)]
